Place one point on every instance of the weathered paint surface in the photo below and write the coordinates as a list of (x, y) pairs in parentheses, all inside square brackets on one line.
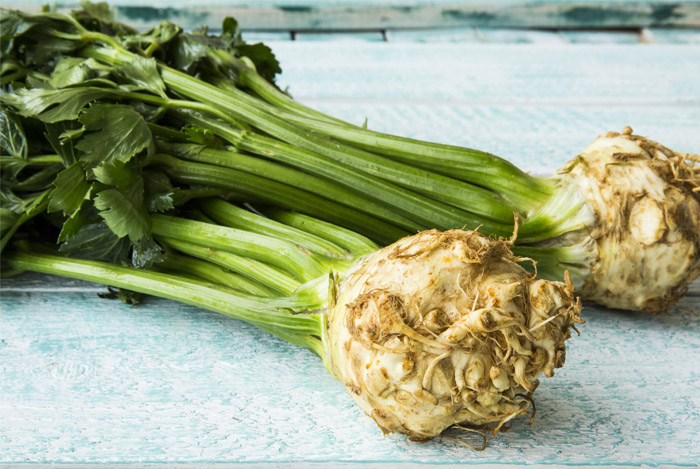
[(389, 14), (368, 22), (90, 380), (519, 74)]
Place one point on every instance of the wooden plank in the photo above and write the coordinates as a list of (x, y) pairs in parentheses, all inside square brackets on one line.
[(694, 289), (518, 36), (342, 36), (475, 74), (460, 35), (356, 14), (602, 37), (675, 36), (266, 36), (38, 283), (95, 381), (532, 36)]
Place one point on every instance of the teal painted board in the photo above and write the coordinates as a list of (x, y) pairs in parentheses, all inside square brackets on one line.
[(86, 380), (366, 14)]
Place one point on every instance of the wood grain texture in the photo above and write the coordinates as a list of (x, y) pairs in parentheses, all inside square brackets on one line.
[(603, 37), (514, 74), (518, 36), (88, 380), (257, 26), (534, 36), (390, 14), (675, 36), (333, 37)]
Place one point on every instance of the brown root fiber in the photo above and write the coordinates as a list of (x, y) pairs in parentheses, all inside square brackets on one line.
[(646, 200), (443, 328)]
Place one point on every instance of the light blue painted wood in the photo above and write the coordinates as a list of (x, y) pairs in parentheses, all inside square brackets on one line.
[(675, 36), (87, 380), (368, 36), (459, 35), (266, 36), (518, 36), (473, 74), (494, 35), (472, 35), (603, 37)]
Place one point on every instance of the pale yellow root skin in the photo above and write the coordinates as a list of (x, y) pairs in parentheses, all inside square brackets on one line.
[(446, 328), (646, 201)]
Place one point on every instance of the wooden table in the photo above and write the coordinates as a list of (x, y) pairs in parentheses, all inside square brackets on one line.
[(85, 380)]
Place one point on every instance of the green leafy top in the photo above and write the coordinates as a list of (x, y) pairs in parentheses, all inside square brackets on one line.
[(75, 132), (194, 52)]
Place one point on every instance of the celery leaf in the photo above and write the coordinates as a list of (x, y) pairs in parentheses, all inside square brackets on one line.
[(118, 133), (70, 189), (71, 71), (60, 136), (97, 242), (142, 74), (266, 64), (122, 207), (79, 218), (51, 105)]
